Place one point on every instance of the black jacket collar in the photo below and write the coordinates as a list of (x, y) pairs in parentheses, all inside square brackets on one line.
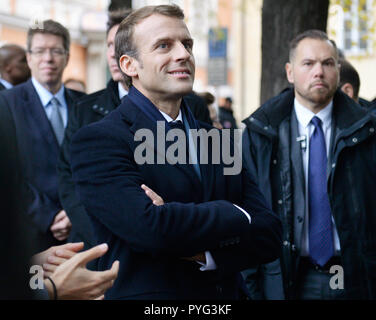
[(348, 115)]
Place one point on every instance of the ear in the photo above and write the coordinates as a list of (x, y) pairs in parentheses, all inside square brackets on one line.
[(128, 65), (28, 58), (289, 72), (348, 89), (68, 56)]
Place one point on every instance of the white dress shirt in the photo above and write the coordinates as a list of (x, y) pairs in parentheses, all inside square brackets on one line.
[(6, 84), (122, 91), (306, 129)]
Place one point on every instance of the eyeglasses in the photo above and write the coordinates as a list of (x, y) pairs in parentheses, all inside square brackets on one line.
[(55, 52)]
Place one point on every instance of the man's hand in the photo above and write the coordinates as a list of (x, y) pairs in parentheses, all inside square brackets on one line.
[(61, 226), (74, 282), (198, 257), (51, 258), (158, 201)]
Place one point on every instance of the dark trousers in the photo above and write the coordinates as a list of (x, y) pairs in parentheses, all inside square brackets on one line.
[(314, 282)]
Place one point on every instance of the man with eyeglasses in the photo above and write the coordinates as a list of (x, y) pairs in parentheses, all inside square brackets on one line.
[(40, 110)]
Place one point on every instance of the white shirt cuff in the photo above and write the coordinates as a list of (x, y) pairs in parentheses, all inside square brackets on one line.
[(210, 263), (245, 212)]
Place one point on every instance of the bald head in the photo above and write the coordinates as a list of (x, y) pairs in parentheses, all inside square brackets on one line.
[(13, 64)]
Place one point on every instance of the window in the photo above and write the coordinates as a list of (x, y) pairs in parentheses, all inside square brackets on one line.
[(355, 26)]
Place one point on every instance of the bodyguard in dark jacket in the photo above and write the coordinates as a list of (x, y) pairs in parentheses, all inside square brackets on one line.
[(273, 151)]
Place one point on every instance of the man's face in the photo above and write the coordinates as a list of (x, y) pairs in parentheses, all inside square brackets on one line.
[(165, 67), (18, 69), (111, 61), (314, 71), (47, 59)]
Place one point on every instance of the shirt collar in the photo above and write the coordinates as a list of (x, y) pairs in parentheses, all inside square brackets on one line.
[(169, 119), (46, 96), (122, 91), (6, 84), (304, 115)]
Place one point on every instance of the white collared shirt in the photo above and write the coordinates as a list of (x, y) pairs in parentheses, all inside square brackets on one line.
[(45, 97), (6, 84), (122, 91), (306, 128)]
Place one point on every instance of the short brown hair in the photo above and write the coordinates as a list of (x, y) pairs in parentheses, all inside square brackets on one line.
[(124, 37), (116, 17), (310, 34), (50, 27), (348, 74), (207, 96)]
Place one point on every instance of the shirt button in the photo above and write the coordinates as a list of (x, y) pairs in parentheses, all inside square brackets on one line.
[(286, 243), (372, 130), (280, 201), (355, 140), (274, 161), (333, 165)]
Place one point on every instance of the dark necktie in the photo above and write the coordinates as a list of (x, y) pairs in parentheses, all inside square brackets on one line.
[(56, 120), (179, 125), (321, 246)]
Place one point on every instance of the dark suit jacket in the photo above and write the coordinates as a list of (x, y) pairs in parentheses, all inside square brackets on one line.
[(38, 149), (15, 245), (2, 87), (86, 110), (197, 216)]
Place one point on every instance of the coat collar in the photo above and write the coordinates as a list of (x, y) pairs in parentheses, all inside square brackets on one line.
[(137, 120), (348, 116)]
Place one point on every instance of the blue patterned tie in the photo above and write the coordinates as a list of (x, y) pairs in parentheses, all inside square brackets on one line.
[(321, 246), (56, 120)]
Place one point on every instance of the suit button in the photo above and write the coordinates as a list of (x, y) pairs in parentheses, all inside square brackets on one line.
[(95, 107), (300, 219)]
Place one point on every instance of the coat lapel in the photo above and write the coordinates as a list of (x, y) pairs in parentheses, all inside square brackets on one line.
[(298, 178), (138, 120), (38, 117)]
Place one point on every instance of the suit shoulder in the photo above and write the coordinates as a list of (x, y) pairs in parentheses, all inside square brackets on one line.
[(15, 91), (90, 98), (205, 125), (74, 94), (109, 123)]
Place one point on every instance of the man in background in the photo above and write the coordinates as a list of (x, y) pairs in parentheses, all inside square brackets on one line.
[(40, 108), (226, 115), (13, 66), (86, 110)]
